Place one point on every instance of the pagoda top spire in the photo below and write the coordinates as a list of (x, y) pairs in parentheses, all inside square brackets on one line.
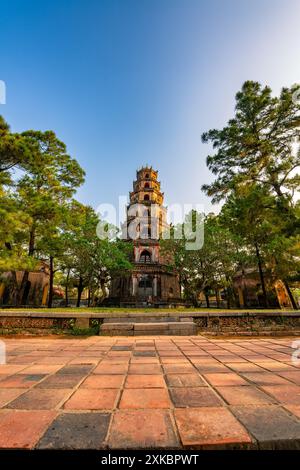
[(146, 172), (146, 187)]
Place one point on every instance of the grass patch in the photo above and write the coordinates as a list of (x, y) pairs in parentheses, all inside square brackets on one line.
[(92, 331), (138, 310)]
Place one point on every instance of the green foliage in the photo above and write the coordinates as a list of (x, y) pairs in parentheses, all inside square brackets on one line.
[(40, 220), (14, 149), (257, 144), (210, 267), (256, 159), (90, 261)]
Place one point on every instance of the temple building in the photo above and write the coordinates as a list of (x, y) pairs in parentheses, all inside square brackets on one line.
[(36, 289), (151, 281)]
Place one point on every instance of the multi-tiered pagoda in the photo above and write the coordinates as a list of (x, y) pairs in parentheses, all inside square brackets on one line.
[(151, 282)]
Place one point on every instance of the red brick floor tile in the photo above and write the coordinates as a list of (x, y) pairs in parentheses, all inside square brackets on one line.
[(85, 360), (99, 349), (145, 381), (294, 409), (145, 369), (37, 399), (10, 369), (4, 376), (142, 429), (76, 431), (21, 359), (23, 429), (184, 380), (9, 394), (172, 360), (145, 398), (211, 369), (196, 354), (91, 399), (144, 360), (41, 369), (292, 376), (244, 395), (166, 347), (147, 351), (272, 426), (75, 369), (225, 379), (52, 360), (284, 393), (210, 427), (103, 381), (115, 362), (245, 367), (275, 366), (118, 354), (21, 380), (179, 369), (107, 369), (171, 354), (194, 397), (88, 354), (230, 359), (60, 381), (265, 378)]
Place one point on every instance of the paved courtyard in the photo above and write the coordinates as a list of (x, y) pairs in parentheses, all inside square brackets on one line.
[(149, 392)]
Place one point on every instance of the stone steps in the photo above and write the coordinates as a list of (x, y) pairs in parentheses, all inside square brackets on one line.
[(129, 328), (144, 318)]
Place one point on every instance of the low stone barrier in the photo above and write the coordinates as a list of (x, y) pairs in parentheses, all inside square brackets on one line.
[(249, 324), (215, 323)]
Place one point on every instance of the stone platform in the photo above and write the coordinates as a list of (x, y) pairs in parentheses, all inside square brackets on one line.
[(151, 392), (148, 325)]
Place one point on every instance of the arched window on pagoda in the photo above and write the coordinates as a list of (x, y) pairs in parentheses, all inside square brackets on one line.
[(146, 197), (147, 185), (145, 257)]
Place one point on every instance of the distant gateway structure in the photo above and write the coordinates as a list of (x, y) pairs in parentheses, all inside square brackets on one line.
[(150, 282)]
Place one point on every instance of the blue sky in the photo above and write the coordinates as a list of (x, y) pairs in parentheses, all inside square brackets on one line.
[(124, 83)]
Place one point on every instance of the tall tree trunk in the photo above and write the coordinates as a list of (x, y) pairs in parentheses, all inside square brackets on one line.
[(89, 297), (180, 285), (67, 289), (229, 290), (293, 302), (66, 296), (103, 290), (244, 289), (195, 300), (79, 290), (207, 299), (235, 297), (217, 298), (261, 275), (228, 300), (51, 278), (23, 292), (14, 289)]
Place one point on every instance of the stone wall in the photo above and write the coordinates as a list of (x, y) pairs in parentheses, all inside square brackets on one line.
[(239, 324), (249, 324)]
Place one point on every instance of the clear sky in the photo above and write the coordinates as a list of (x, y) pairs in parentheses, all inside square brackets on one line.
[(124, 83)]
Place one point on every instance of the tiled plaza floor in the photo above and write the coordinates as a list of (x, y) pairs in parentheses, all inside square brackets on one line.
[(149, 392)]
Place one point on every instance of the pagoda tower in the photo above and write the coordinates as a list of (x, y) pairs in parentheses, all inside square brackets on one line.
[(150, 282)]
